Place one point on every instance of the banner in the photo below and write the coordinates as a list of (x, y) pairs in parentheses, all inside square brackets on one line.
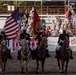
[(10, 8), (52, 43)]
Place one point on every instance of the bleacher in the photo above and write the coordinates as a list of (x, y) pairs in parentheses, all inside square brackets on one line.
[(51, 17)]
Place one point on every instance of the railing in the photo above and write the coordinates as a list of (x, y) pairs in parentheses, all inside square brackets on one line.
[(43, 10)]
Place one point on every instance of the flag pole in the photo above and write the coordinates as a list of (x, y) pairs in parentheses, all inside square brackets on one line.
[(41, 11), (68, 4), (16, 4)]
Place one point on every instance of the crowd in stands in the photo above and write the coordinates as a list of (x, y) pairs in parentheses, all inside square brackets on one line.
[(53, 30)]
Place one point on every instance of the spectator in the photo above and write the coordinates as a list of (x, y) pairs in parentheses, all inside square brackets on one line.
[(52, 25), (27, 16), (68, 14), (54, 32), (58, 22), (32, 13), (24, 22)]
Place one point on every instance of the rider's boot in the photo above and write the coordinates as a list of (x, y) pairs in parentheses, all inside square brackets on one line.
[(9, 56), (18, 57), (57, 53), (48, 55), (71, 57)]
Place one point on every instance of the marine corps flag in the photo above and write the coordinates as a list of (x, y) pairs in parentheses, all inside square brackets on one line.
[(36, 23)]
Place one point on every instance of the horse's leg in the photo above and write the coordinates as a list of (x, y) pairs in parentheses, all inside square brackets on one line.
[(43, 62), (62, 63), (37, 68), (59, 64), (3, 68), (1, 65), (66, 66), (22, 66), (27, 66), (5, 64)]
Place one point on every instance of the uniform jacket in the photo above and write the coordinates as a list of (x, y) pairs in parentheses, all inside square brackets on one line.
[(62, 37), (25, 35)]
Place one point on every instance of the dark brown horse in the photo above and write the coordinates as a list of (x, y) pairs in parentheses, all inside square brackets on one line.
[(41, 54), (25, 56), (3, 55), (64, 54)]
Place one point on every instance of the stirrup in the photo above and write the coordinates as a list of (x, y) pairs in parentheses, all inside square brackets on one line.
[(71, 57), (56, 56)]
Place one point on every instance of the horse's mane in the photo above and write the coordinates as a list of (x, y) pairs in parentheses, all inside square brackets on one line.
[(3, 45), (65, 44), (24, 45), (42, 42)]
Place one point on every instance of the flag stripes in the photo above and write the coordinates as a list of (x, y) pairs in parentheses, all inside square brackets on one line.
[(11, 28)]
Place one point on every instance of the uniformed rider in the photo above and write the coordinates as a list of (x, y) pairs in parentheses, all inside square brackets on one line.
[(61, 39)]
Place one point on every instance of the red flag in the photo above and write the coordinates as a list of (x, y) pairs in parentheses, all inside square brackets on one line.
[(11, 26), (35, 24)]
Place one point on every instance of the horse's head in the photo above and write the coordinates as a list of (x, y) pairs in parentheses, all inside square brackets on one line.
[(4, 53), (44, 41), (3, 42), (66, 43), (25, 45)]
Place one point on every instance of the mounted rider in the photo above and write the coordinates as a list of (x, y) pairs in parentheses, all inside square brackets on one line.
[(40, 37), (26, 36), (1, 38), (4, 37), (61, 39)]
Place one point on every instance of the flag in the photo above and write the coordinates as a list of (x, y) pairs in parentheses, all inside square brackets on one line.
[(36, 22), (11, 25)]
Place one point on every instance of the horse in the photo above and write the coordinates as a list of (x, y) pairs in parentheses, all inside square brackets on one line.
[(25, 56), (41, 54), (3, 55), (64, 56)]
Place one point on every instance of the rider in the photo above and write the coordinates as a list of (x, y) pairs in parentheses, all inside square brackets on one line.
[(0, 38), (25, 36), (39, 37), (61, 39), (4, 37)]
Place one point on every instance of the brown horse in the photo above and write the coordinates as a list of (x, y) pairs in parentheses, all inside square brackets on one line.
[(3, 55), (41, 54), (64, 54), (25, 56)]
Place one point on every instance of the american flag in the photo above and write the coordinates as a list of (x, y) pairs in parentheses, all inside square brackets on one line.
[(11, 26)]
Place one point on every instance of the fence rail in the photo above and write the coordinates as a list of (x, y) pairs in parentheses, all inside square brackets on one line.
[(43, 9)]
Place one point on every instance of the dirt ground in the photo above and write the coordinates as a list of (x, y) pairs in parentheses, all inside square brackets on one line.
[(13, 66)]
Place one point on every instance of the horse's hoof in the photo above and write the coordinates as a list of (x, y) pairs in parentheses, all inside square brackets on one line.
[(0, 70), (61, 72), (22, 72), (37, 71), (65, 72), (26, 73), (3, 72), (42, 72)]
